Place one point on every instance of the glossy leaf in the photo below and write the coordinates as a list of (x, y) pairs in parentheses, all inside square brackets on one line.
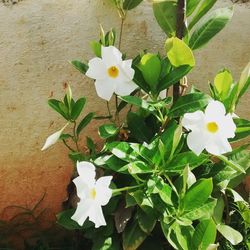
[(173, 77), (150, 66), (77, 108), (242, 130), (189, 103), (138, 127), (222, 82), (137, 101), (205, 211), (165, 14), (210, 26), (133, 236), (82, 67), (57, 106), (191, 6), (233, 236), (205, 6), (131, 4), (146, 221), (180, 161), (108, 130), (84, 122), (204, 235), (179, 53), (193, 198)]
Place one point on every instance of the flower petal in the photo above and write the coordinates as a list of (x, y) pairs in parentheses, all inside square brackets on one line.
[(227, 126), (96, 216), (214, 109), (218, 145), (196, 141), (82, 212), (193, 120), (111, 56), (97, 69), (125, 88), (127, 69), (86, 171), (105, 88), (103, 192), (82, 188)]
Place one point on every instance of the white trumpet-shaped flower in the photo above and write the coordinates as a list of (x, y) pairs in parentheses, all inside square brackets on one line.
[(52, 139), (210, 130), (93, 194), (112, 74)]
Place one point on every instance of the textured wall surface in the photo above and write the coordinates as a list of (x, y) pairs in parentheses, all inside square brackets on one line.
[(37, 38)]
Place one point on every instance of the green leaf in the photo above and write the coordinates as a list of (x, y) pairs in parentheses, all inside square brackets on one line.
[(180, 161), (205, 6), (108, 130), (150, 66), (234, 165), (165, 14), (204, 235), (244, 81), (179, 53), (131, 4), (219, 210), (111, 162), (189, 103), (210, 26), (139, 79), (133, 236), (77, 108), (193, 198), (85, 121), (64, 220), (242, 130), (205, 211), (191, 6), (156, 185), (57, 106), (233, 236), (138, 128), (138, 167), (82, 67), (123, 151), (222, 82), (137, 101), (146, 221), (173, 77), (96, 48)]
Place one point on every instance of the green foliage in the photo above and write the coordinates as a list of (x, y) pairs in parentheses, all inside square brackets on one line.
[(209, 27), (179, 53), (162, 191), (204, 235), (165, 14)]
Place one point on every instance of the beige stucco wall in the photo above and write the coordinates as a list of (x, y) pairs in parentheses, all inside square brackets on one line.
[(37, 38)]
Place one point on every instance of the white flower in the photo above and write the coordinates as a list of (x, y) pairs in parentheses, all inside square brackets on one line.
[(112, 74), (213, 246), (52, 139), (93, 194), (210, 130)]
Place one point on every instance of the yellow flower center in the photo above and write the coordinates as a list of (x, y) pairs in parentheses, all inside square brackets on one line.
[(212, 127), (113, 71), (93, 193)]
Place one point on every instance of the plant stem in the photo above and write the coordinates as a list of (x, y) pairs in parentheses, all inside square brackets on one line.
[(65, 143), (118, 190), (121, 31), (180, 27), (75, 136)]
